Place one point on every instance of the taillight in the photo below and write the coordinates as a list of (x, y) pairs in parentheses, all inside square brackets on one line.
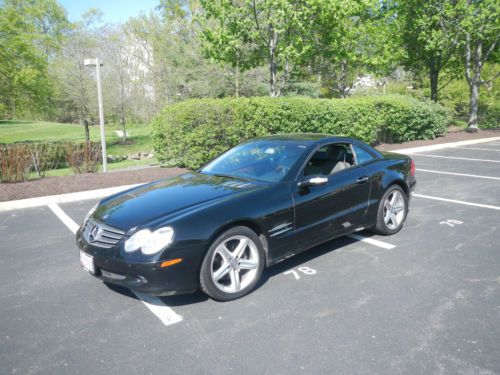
[(412, 168)]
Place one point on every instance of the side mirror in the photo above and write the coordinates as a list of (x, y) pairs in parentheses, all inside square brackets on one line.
[(313, 181)]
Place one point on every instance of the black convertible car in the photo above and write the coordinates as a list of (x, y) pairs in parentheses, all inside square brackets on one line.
[(262, 201)]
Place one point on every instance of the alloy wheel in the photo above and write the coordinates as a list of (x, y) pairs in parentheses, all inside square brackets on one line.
[(235, 264), (394, 210)]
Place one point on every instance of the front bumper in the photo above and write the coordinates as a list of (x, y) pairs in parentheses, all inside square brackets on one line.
[(147, 277)]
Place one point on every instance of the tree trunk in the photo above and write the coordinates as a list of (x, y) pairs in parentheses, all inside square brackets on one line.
[(273, 90), (122, 122), (473, 107), (342, 84), (434, 79), (474, 80), (87, 131), (273, 68), (284, 77), (122, 109), (237, 80)]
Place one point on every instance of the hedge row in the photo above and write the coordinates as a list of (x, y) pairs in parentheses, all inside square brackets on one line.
[(192, 132)]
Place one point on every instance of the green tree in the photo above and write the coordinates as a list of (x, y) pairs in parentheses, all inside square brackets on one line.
[(51, 25), (169, 49), (481, 32), (250, 33), (75, 86), (30, 32), (429, 32), (347, 39)]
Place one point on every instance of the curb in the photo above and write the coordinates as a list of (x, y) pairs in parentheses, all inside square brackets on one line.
[(62, 198), (440, 146)]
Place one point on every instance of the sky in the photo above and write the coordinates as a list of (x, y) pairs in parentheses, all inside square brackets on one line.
[(114, 10)]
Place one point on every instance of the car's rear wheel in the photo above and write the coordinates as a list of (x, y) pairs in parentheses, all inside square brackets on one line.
[(392, 211), (233, 264)]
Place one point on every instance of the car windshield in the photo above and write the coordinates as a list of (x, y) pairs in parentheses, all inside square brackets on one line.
[(258, 160)]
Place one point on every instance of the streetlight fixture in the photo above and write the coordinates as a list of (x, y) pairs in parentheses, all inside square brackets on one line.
[(95, 62)]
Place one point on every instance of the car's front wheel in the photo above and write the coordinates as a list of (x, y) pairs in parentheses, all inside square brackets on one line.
[(392, 211), (233, 264)]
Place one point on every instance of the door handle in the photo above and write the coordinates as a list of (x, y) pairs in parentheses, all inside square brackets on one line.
[(362, 179)]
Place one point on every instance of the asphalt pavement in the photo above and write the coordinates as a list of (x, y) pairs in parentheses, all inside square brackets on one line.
[(424, 301)]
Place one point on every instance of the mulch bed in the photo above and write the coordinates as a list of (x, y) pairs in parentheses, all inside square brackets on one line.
[(81, 182), (91, 181)]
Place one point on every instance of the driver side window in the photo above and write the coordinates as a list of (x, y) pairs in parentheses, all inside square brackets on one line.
[(330, 159)]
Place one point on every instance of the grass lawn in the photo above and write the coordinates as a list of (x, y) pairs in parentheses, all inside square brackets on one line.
[(21, 131), (18, 131), (111, 167)]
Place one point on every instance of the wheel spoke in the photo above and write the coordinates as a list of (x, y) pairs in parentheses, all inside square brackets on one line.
[(387, 216), (394, 198), (235, 279), (394, 220), (222, 271), (224, 252), (246, 264), (387, 205), (240, 249)]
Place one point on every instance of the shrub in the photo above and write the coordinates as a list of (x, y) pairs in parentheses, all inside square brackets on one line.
[(46, 156), (192, 132), (15, 162), (405, 119), (83, 157)]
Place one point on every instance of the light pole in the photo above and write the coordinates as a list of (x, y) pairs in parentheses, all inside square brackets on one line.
[(95, 62)]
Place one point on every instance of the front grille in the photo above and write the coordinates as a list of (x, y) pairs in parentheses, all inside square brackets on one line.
[(101, 235)]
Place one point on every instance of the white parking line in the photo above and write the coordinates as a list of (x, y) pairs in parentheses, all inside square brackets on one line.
[(478, 148), (69, 222), (157, 307), (457, 158), (371, 241), (154, 304), (458, 174), (457, 201)]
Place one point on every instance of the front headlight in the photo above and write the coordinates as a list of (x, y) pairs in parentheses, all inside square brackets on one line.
[(89, 214), (150, 242)]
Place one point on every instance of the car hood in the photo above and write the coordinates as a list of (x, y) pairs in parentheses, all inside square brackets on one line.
[(172, 196)]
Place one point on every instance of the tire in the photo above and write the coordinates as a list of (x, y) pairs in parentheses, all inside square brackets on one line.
[(388, 223), (233, 265)]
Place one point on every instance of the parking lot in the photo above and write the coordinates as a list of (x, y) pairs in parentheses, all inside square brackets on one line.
[(424, 301)]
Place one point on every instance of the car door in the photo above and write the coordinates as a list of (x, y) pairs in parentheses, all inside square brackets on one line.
[(325, 211)]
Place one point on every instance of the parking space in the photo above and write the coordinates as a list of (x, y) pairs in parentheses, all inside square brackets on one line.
[(480, 168), (465, 188), (426, 300)]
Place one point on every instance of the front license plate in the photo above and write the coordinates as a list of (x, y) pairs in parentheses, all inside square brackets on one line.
[(87, 262)]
